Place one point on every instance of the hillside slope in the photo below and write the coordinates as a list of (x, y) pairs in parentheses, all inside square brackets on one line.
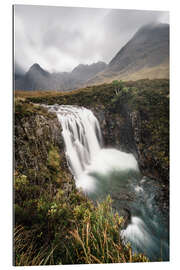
[(146, 55)]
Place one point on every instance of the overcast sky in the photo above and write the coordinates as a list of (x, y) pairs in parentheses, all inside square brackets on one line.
[(60, 38)]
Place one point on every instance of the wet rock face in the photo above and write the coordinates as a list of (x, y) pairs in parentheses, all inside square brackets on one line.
[(149, 163), (36, 137), (116, 130), (125, 132), (33, 137)]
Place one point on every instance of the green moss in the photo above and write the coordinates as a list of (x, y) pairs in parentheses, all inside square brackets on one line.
[(150, 99), (54, 159), (24, 108), (54, 226), (21, 180)]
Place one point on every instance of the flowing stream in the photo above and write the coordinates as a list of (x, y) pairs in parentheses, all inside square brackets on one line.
[(100, 171)]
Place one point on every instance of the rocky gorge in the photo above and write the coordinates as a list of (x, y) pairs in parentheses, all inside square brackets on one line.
[(134, 120)]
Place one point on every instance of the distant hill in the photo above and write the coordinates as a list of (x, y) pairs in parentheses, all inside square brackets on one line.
[(146, 55), (36, 78)]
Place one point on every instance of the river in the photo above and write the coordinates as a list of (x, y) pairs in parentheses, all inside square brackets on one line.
[(100, 171)]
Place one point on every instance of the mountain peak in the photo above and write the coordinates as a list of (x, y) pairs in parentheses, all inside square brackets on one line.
[(36, 68), (36, 65), (145, 55)]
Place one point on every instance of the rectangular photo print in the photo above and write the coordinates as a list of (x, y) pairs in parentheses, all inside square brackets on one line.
[(91, 135)]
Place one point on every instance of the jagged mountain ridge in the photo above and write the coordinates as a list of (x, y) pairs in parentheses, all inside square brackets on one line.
[(36, 78), (146, 55)]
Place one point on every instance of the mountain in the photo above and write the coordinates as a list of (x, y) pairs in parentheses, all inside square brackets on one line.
[(146, 55), (85, 72), (36, 78)]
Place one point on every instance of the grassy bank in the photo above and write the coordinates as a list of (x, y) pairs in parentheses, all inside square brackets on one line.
[(54, 229), (97, 94), (54, 222)]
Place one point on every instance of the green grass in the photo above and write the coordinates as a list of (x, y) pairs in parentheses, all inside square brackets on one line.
[(56, 227), (97, 94), (72, 231)]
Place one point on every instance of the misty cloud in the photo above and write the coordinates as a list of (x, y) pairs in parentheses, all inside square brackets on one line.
[(19, 70), (121, 25), (60, 38)]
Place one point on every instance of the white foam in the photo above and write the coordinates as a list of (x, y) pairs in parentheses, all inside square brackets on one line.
[(137, 232), (84, 152)]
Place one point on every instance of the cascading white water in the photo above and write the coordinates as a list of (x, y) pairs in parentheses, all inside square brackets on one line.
[(82, 137), (83, 143), (99, 171)]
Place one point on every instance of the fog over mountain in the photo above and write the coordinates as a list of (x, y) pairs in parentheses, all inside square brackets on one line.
[(146, 55), (61, 38), (36, 78)]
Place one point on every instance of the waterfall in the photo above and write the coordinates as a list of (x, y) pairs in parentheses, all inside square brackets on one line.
[(100, 171), (82, 137), (84, 146)]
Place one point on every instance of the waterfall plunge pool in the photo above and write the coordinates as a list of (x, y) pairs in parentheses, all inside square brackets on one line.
[(100, 172)]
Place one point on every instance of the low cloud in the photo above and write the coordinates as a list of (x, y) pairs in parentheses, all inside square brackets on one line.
[(59, 38)]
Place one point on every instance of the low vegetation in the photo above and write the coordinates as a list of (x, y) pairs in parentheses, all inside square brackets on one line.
[(54, 225), (51, 228), (152, 104), (97, 94)]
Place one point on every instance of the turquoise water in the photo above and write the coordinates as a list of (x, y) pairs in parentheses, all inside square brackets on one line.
[(100, 172)]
